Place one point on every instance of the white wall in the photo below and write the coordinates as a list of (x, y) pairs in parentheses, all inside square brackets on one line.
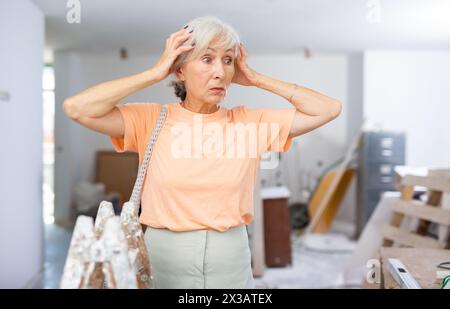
[(355, 97), (67, 139), (21, 223), (354, 119), (410, 91), (77, 71)]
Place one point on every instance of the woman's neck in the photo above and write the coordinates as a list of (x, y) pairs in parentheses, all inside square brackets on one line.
[(199, 107)]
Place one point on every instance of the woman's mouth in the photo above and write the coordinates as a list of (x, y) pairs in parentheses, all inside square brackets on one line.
[(217, 90)]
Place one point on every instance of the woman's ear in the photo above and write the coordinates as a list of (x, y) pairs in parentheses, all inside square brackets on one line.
[(179, 74)]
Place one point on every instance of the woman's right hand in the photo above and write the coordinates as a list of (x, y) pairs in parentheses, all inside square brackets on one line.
[(172, 51)]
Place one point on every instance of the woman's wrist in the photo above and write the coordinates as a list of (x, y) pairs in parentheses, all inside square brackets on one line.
[(258, 79), (151, 76), (264, 82)]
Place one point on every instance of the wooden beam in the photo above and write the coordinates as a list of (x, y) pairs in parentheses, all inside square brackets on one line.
[(331, 209), (444, 229), (94, 274), (422, 211), (397, 218), (117, 267), (408, 239), (432, 182), (433, 199), (105, 261), (340, 170), (75, 266)]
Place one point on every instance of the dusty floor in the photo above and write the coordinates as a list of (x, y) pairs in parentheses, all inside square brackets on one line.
[(317, 262), (57, 240)]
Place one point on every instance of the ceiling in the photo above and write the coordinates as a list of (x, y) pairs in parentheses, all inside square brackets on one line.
[(265, 26)]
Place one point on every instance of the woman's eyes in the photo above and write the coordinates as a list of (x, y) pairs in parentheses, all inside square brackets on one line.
[(229, 60)]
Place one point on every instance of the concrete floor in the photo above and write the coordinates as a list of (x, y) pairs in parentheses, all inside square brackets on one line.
[(317, 263), (57, 241)]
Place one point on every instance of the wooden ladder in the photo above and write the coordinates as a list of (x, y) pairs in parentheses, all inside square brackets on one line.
[(109, 254)]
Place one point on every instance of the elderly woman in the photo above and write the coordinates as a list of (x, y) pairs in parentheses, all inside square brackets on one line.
[(196, 204)]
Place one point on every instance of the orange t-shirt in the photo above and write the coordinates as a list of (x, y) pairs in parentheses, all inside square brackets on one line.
[(203, 167)]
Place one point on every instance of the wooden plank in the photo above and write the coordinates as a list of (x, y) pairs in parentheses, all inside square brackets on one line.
[(118, 270), (75, 266), (329, 213), (105, 211), (422, 211), (340, 170), (422, 265), (432, 182), (96, 277), (407, 195), (92, 261), (433, 199), (440, 172), (403, 170), (443, 229), (408, 239), (397, 218)]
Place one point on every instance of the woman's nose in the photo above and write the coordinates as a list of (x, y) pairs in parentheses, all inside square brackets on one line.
[(219, 71)]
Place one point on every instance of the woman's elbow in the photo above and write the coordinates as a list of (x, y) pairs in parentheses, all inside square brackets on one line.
[(336, 108), (70, 109)]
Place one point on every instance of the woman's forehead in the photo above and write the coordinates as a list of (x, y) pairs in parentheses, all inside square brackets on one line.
[(219, 44), (218, 49)]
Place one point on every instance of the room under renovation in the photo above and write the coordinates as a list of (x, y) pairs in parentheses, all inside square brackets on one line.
[(211, 145)]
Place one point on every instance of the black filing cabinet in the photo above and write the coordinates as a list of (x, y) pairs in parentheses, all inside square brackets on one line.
[(379, 153)]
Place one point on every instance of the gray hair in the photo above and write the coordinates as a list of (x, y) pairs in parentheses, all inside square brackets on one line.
[(206, 29)]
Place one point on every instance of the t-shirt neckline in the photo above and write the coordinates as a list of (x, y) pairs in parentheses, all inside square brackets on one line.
[(188, 113)]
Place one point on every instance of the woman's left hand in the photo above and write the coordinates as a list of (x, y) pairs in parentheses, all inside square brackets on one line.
[(243, 74)]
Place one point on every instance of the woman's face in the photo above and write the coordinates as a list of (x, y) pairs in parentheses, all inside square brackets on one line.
[(212, 68)]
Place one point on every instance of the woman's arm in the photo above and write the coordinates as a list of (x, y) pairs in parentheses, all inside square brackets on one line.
[(99, 100), (95, 107), (313, 109), (304, 99)]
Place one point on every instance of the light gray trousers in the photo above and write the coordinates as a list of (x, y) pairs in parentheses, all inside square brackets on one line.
[(200, 259)]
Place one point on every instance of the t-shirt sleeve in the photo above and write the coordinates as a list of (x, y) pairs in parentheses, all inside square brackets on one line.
[(274, 125), (139, 119)]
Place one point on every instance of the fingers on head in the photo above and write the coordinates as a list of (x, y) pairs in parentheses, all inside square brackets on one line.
[(175, 34), (186, 47), (179, 39)]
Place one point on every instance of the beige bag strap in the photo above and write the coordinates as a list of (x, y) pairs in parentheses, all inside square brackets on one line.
[(136, 194)]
